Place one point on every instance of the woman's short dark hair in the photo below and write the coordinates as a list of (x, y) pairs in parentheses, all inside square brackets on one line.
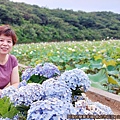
[(8, 31)]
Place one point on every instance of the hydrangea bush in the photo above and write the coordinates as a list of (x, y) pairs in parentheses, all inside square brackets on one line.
[(40, 73), (57, 89), (76, 78), (52, 99), (25, 94), (86, 107), (50, 109)]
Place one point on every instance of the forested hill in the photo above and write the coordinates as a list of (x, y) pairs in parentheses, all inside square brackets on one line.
[(35, 24)]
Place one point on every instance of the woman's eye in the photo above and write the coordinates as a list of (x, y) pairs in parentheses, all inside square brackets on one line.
[(9, 41), (1, 40)]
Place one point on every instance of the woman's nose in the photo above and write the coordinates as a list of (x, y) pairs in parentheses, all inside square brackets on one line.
[(5, 42)]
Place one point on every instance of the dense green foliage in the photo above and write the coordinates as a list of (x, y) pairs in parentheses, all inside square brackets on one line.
[(35, 24)]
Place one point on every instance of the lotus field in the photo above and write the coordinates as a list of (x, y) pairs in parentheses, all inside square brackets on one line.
[(100, 60)]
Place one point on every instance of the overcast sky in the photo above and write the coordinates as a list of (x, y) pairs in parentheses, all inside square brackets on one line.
[(84, 5)]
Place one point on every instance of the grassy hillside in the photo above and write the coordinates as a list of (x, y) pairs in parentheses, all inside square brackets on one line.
[(35, 24)]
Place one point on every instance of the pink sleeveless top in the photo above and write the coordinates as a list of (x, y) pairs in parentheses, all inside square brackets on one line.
[(6, 70)]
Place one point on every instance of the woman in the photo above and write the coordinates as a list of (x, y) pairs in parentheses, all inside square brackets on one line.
[(9, 74)]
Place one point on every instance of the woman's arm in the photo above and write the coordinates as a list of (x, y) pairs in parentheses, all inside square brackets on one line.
[(0, 91), (15, 77)]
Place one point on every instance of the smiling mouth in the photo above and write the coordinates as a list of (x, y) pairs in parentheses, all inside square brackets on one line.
[(4, 49)]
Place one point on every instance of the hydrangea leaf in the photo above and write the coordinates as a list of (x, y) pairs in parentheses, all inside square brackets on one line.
[(37, 79), (7, 109)]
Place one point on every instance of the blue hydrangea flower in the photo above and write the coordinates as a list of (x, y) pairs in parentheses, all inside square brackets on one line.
[(76, 78), (22, 83), (27, 74), (5, 119), (14, 118), (47, 70), (106, 109), (56, 89), (9, 91), (50, 109), (27, 94), (87, 107)]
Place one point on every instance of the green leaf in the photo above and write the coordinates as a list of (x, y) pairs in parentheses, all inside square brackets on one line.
[(112, 80), (36, 79), (55, 59), (68, 67), (11, 113), (97, 85), (95, 64), (110, 68), (7, 109), (83, 66), (23, 111), (98, 79), (109, 62), (4, 103), (112, 71), (22, 108)]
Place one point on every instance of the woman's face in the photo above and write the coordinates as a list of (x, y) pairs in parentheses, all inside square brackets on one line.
[(6, 44)]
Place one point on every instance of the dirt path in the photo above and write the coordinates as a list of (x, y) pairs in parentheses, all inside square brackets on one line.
[(115, 111), (106, 98)]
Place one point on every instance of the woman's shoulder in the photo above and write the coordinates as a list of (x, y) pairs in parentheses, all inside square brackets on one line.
[(12, 60), (12, 57)]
